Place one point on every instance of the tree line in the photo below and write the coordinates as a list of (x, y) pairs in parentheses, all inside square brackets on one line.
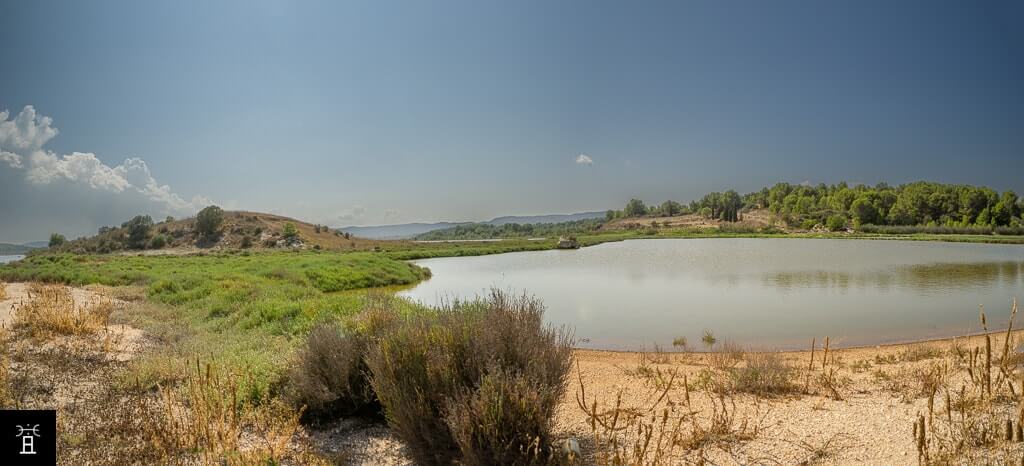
[(839, 205)]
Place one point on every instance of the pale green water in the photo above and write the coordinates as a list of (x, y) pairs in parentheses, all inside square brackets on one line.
[(767, 293)]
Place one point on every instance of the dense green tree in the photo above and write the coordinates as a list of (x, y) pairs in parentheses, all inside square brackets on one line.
[(730, 206), (138, 231), (209, 220), (635, 208), (670, 208), (56, 239), (863, 211), (1004, 210)]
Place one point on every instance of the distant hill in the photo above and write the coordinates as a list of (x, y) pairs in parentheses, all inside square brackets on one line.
[(554, 218), (409, 230), (8, 249), (401, 231)]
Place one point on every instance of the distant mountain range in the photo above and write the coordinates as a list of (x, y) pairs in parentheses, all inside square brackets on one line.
[(8, 249), (409, 230)]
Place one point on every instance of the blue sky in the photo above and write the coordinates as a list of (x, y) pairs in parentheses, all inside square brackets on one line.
[(350, 113)]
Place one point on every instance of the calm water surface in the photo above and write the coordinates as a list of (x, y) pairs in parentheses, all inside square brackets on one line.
[(6, 259), (767, 293)]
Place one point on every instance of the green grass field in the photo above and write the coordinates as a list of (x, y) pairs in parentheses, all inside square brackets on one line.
[(242, 310)]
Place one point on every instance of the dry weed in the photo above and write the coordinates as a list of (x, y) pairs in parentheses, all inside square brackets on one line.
[(51, 311), (975, 413), (207, 418)]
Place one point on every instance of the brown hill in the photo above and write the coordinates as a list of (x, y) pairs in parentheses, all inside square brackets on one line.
[(240, 230)]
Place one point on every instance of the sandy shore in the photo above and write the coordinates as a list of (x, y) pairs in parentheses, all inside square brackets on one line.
[(870, 423)]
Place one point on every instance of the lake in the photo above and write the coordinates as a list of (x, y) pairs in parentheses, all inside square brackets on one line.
[(773, 293), (6, 259)]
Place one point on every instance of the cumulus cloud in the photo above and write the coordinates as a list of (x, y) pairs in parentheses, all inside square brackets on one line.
[(21, 147), (584, 159), (11, 159)]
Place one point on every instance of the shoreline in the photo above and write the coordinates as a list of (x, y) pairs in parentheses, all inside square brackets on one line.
[(818, 344)]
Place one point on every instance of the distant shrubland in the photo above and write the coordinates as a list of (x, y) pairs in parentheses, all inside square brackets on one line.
[(513, 230)]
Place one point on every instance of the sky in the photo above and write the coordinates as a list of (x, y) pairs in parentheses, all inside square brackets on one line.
[(380, 112)]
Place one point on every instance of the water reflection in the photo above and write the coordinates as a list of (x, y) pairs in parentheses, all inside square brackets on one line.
[(922, 277)]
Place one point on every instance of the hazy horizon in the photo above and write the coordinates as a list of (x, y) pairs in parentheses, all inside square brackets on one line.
[(362, 114)]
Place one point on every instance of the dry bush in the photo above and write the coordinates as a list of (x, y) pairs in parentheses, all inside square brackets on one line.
[(763, 374), (329, 376), (726, 425), (3, 291), (920, 353), (725, 356), (51, 311), (506, 420), (452, 382)]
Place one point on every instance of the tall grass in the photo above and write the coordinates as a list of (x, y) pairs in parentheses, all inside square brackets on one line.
[(207, 419), (51, 311)]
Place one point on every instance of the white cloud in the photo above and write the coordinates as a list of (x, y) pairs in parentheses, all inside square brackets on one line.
[(27, 132), (12, 159), (21, 147), (584, 159)]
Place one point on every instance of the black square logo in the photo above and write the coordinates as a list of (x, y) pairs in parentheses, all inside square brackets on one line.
[(28, 437)]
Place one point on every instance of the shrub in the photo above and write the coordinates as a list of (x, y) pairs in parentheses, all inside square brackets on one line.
[(476, 381), (502, 421), (158, 242), (56, 239), (138, 230), (330, 377), (836, 223), (246, 242), (209, 219), (1011, 230), (762, 374), (935, 230), (289, 232)]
